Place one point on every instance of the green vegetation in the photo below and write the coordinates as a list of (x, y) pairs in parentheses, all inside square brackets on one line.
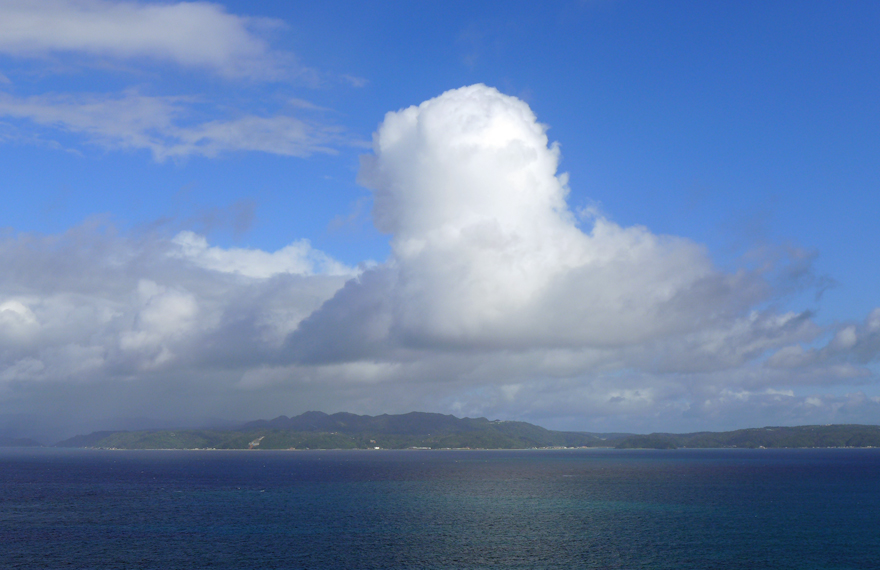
[(316, 430), (768, 437), (286, 439)]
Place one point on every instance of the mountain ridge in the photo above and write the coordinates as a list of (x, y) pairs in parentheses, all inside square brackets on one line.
[(318, 430), (424, 430)]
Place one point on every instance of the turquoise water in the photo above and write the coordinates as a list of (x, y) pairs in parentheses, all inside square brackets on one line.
[(681, 509)]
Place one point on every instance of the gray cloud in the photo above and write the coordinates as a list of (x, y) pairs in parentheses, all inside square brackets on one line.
[(852, 346)]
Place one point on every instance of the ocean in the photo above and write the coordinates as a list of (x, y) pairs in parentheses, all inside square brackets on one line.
[(681, 509)]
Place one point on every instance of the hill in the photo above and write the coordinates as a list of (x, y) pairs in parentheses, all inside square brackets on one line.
[(767, 437), (317, 430)]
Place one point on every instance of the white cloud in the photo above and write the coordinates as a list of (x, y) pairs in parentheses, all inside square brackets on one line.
[(492, 282), (354, 81), (488, 251), (92, 306), (280, 134), (487, 254), (18, 324), (163, 318), (297, 258), (159, 124), (190, 34), (129, 35), (494, 302)]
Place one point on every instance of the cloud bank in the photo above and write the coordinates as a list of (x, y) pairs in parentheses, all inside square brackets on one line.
[(90, 306), (496, 300)]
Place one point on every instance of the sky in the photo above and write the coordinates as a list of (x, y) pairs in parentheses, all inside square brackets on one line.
[(591, 215)]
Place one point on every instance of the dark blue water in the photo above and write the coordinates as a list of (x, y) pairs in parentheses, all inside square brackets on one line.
[(682, 509)]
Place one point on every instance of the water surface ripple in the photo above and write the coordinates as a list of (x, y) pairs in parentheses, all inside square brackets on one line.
[(328, 510)]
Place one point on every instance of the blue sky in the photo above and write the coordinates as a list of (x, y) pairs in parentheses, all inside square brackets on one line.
[(163, 164)]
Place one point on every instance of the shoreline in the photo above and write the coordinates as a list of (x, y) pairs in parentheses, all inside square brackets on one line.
[(209, 449)]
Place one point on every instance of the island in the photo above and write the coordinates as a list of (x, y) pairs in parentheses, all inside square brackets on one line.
[(421, 430)]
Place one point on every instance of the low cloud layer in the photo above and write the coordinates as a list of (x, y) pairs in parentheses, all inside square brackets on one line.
[(496, 300)]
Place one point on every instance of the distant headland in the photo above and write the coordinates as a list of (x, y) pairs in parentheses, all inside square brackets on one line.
[(420, 430)]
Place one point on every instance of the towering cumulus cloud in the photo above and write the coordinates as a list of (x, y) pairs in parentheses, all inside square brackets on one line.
[(486, 252), (496, 300)]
